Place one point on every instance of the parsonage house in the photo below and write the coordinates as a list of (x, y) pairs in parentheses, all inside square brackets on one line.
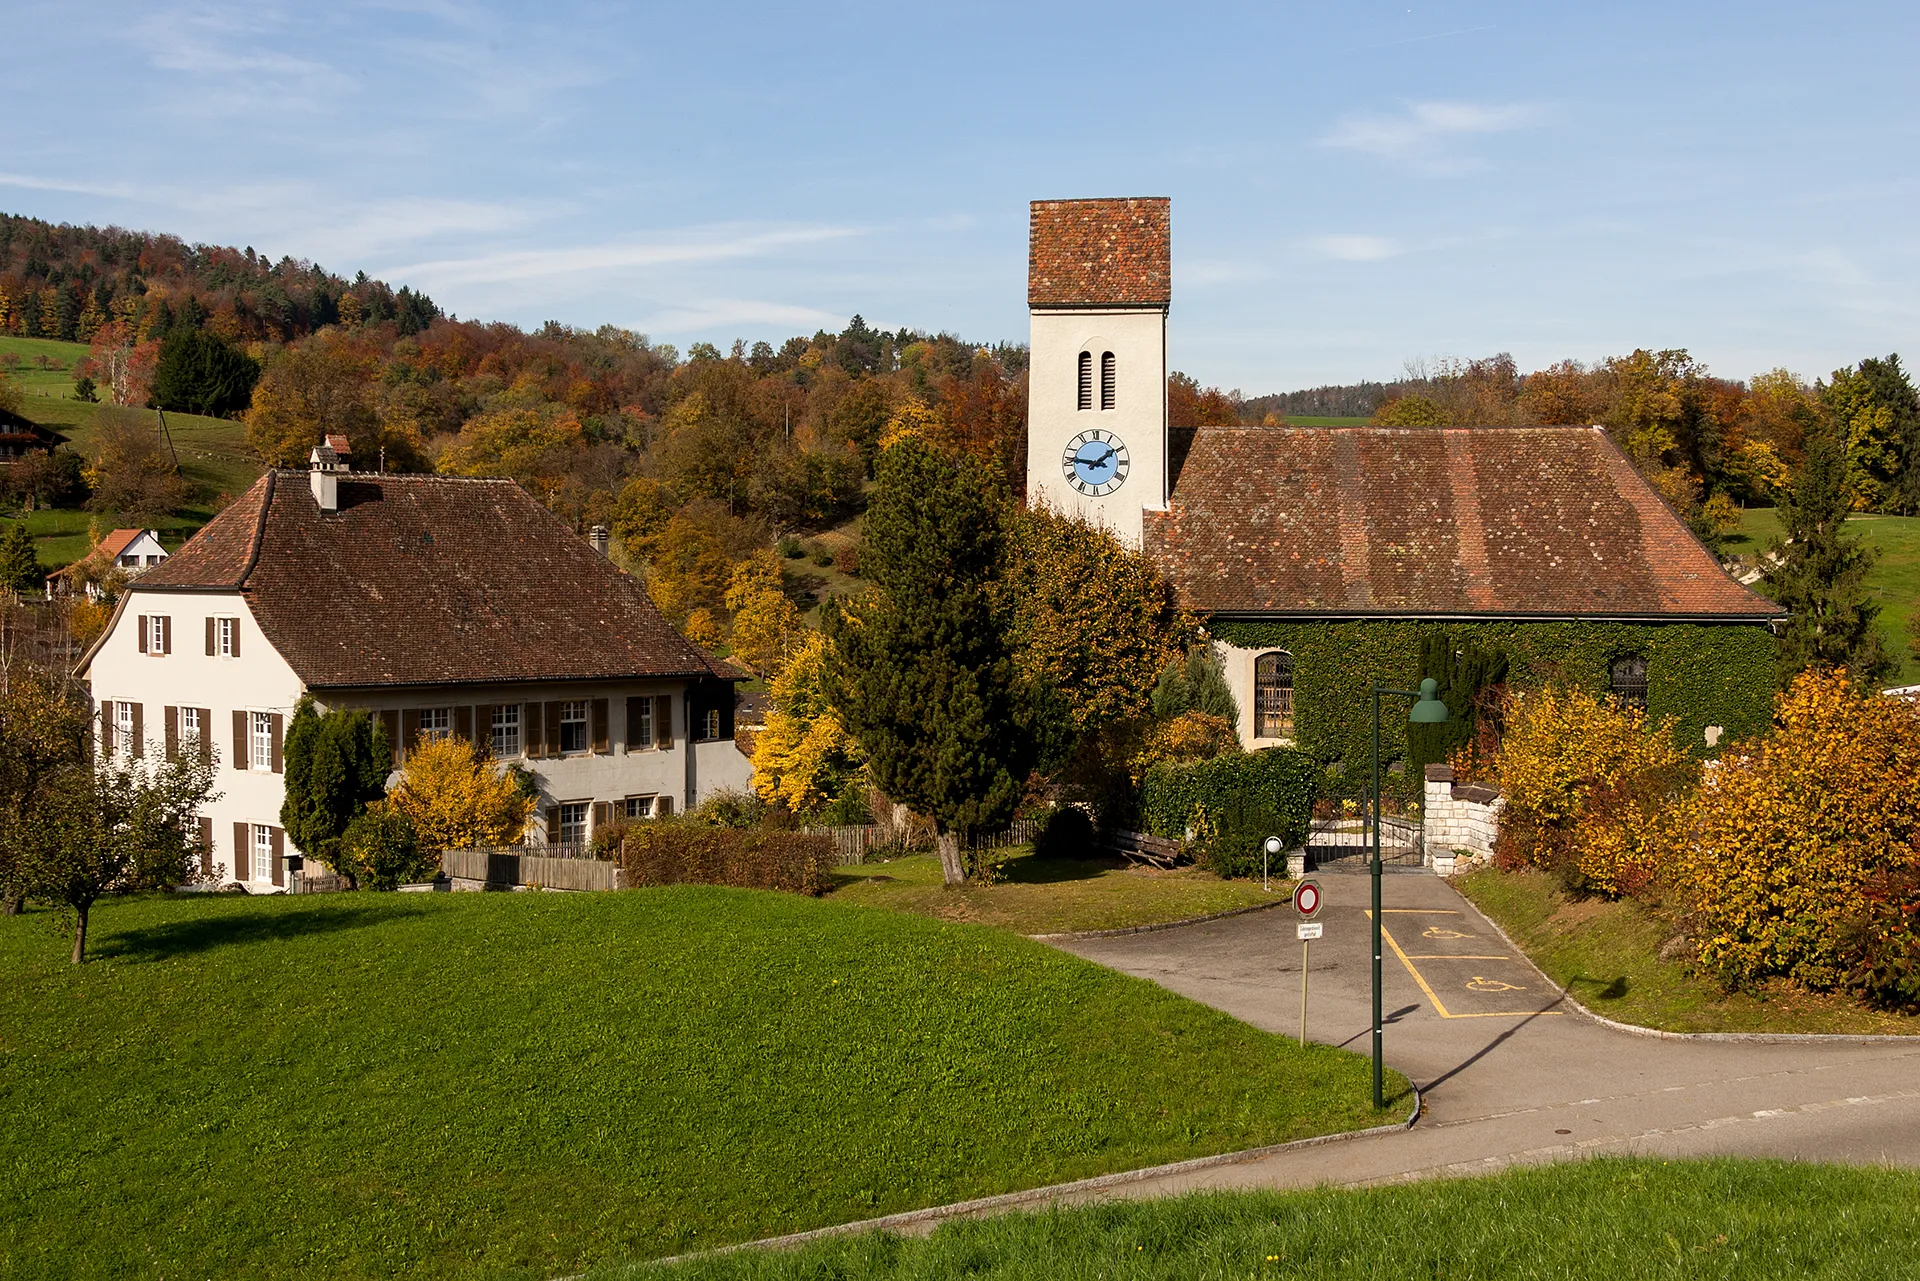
[(444, 607), (1319, 556)]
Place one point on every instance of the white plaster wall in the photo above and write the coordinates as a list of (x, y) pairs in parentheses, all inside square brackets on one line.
[(1138, 340), (1237, 665), (257, 681), (720, 766)]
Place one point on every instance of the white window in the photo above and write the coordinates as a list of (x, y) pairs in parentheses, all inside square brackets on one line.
[(190, 728), (573, 726), (640, 732), (710, 724), (436, 723), (156, 633), (260, 741), (639, 807), (506, 731), (123, 729), (262, 868), (573, 822), (224, 635)]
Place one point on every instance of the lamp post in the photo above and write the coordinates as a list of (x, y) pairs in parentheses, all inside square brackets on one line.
[(1427, 710)]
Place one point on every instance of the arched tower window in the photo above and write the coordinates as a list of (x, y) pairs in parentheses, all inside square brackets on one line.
[(1106, 380), (1273, 695), (1627, 675), (1086, 380)]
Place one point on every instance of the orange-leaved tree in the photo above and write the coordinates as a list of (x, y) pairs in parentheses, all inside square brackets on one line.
[(457, 798), (1786, 830)]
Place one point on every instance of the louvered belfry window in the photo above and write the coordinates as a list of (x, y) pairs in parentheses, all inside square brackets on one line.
[(1106, 380), (1086, 380)]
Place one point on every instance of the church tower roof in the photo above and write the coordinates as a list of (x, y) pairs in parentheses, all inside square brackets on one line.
[(1100, 253)]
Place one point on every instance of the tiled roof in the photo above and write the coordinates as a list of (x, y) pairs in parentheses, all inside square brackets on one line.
[(116, 542), (427, 580), (1090, 253), (1360, 521)]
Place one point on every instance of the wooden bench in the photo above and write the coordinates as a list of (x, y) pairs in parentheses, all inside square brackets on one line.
[(1138, 847)]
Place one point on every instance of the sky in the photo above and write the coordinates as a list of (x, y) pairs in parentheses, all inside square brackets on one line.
[(1355, 186)]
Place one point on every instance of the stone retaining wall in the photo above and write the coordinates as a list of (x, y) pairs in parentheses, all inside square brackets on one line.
[(1458, 816)]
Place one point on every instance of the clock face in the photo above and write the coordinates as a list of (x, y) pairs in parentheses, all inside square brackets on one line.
[(1095, 463)]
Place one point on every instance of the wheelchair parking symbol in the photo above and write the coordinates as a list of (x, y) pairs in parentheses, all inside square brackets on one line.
[(1492, 985)]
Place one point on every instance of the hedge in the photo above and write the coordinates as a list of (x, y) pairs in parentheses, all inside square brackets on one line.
[(664, 852), (1699, 675), (1233, 803)]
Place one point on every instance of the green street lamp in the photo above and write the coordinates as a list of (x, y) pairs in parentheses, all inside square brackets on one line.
[(1427, 710)]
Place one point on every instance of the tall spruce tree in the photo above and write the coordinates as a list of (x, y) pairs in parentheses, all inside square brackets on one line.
[(1894, 389), (335, 764), (1463, 674), (1819, 575), (922, 672), (20, 568)]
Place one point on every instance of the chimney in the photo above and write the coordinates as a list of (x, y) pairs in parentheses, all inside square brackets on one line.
[(598, 537), (324, 476)]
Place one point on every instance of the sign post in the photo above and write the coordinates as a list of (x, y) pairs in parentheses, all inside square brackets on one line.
[(1306, 901)]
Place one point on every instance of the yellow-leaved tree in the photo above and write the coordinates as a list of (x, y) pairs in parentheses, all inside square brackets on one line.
[(1590, 788), (457, 798), (1784, 833), (804, 758), (766, 625)]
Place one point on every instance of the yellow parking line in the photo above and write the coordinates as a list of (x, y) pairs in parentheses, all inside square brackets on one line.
[(1448, 956), (1439, 1007), (1417, 976), (1417, 911)]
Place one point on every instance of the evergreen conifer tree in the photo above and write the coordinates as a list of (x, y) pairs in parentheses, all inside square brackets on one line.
[(20, 567), (335, 764), (922, 673), (1462, 675), (1820, 573)]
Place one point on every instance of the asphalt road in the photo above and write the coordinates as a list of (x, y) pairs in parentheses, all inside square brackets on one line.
[(1511, 1073)]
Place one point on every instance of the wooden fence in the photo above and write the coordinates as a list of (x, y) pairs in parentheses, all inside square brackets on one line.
[(853, 845), (518, 865)]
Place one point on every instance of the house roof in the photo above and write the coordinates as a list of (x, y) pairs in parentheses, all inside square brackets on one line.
[(1474, 522), (427, 580), (106, 550), (118, 541), (1095, 253), (15, 427)]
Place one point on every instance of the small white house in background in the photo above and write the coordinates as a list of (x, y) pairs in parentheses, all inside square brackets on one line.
[(444, 607), (131, 551)]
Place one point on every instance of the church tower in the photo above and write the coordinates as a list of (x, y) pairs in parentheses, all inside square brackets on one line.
[(1099, 278)]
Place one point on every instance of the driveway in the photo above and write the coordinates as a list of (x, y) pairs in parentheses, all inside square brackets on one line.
[(1510, 1072)]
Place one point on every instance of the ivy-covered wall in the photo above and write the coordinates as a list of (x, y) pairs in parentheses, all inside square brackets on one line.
[(1700, 675)]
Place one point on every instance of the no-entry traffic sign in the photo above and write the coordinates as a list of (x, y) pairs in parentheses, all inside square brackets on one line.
[(1306, 899)]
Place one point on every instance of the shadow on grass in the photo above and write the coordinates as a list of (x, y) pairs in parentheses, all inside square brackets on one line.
[(182, 938), (1606, 989), (1052, 871)]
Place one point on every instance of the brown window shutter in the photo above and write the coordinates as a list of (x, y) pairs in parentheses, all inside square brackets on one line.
[(210, 627), (206, 846), (143, 633), (663, 806), (633, 722), (483, 728), (242, 845), (106, 727), (390, 721), (553, 824), (597, 715), (663, 720), (206, 733), (463, 723), (602, 815), (166, 634), (409, 730), (171, 717), (531, 742), (279, 724), (279, 852), (553, 728), (139, 744), (242, 759), (236, 638)]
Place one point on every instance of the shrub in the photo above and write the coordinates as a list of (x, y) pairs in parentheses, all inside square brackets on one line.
[(382, 851), (1880, 943), (1232, 804), (677, 852), (847, 560), (1066, 833), (822, 555), (1590, 789), (849, 809), (790, 547), (728, 808), (1785, 836), (1189, 736), (457, 798), (608, 838)]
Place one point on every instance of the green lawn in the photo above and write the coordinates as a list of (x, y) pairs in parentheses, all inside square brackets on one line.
[(1608, 955), (50, 381), (527, 1084), (1051, 896), (1720, 1220), (1894, 582)]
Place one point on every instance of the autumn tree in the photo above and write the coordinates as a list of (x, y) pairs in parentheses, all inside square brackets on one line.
[(804, 759), (43, 730), (308, 391), (336, 764), (1411, 411), (1189, 405), (13, 393), (922, 672), (457, 798), (1818, 574), (131, 473), (766, 625)]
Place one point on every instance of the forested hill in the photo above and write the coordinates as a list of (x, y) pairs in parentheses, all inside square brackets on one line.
[(66, 282)]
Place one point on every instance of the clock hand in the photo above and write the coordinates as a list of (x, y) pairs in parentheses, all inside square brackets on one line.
[(1102, 460)]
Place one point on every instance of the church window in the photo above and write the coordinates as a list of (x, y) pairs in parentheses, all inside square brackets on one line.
[(1106, 380), (1627, 675), (1086, 380), (1273, 695)]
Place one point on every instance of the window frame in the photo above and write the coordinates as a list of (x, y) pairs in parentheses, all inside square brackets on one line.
[(260, 836), (644, 738), (507, 718), (584, 825), (122, 728), (568, 720), (639, 807), (1279, 715), (190, 730), (1629, 690), (436, 724), (156, 635), (224, 629), (260, 742)]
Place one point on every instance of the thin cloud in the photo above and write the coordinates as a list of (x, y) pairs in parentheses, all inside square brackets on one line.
[(1356, 248), (532, 264), (1426, 135), (719, 313)]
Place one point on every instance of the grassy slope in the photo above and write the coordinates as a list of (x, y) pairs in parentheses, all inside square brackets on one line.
[(1894, 582), (362, 1085), (1608, 956), (1721, 1220), (1039, 896)]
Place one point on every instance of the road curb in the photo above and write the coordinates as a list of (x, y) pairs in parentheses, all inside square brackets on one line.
[(1654, 1033), (1014, 1200), (1125, 930)]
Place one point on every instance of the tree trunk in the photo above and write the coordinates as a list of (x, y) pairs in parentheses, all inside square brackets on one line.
[(80, 932), (952, 865), (12, 900)]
